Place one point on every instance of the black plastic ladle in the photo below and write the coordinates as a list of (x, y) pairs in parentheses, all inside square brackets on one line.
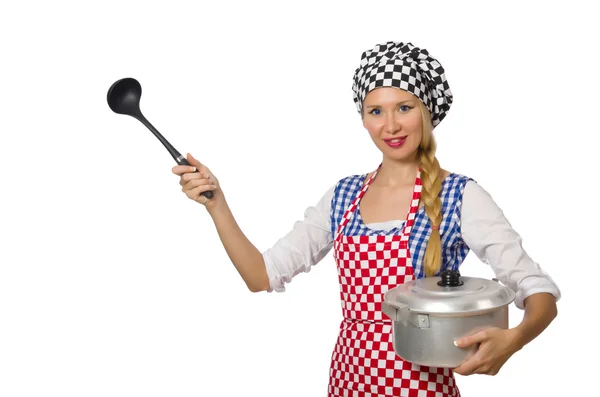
[(124, 98)]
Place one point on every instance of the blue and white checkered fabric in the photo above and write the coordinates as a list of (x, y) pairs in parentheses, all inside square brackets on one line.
[(454, 249)]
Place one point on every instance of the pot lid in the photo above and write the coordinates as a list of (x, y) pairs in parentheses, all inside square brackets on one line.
[(450, 293)]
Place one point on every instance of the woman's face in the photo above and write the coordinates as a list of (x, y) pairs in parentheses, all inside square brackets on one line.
[(393, 118)]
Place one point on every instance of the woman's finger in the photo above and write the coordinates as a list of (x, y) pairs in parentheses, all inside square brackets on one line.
[(190, 176), (471, 366), (195, 193), (194, 183), (467, 341), (181, 169)]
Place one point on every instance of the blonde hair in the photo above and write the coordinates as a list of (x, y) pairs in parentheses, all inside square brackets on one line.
[(430, 193)]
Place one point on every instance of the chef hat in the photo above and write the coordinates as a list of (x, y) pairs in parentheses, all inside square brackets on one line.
[(402, 65)]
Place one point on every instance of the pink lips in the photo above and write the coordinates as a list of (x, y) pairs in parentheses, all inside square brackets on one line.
[(395, 142)]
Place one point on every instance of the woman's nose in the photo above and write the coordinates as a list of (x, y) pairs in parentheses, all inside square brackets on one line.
[(392, 124)]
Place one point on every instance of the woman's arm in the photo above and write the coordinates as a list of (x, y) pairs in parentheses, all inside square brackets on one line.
[(246, 258), (491, 237), (301, 248), (540, 310), (197, 178)]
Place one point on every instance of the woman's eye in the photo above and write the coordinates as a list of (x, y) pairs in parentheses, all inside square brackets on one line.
[(405, 108), (375, 111)]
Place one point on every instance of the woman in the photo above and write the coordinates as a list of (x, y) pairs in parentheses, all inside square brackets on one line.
[(434, 216)]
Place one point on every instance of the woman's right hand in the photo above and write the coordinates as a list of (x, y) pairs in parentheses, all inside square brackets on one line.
[(195, 179)]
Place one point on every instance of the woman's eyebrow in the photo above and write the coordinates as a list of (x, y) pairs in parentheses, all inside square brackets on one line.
[(399, 103)]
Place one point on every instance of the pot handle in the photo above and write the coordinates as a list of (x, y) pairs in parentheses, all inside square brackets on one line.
[(509, 290), (396, 312), (388, 310)]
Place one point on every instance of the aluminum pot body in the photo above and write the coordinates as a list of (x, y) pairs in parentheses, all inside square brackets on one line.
[(430, 313), (429, 339)]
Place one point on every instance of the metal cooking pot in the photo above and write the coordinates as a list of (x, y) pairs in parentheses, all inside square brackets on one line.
[(430, 313)]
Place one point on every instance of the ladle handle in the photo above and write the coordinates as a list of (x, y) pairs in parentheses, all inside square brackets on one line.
[(174, 153), (182, 161)]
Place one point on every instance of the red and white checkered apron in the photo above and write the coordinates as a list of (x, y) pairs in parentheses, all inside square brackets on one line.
[(364, 362)]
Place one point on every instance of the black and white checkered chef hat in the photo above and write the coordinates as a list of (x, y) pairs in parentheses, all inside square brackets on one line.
[(402, 65)]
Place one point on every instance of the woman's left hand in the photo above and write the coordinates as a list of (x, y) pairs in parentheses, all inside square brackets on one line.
[(496, 347)]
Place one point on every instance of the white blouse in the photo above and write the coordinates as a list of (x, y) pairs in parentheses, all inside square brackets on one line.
[(500, 246)]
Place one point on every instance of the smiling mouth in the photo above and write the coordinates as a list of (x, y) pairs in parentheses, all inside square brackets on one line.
[(396, 142)]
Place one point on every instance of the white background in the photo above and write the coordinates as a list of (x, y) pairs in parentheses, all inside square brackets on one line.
[(113, 283)]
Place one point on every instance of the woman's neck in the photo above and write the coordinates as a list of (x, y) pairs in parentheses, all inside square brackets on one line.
[(395, 173)]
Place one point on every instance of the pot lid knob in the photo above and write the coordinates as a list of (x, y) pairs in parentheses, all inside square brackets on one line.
[(450, 278)]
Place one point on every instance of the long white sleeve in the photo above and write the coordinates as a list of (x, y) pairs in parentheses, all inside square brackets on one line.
[(484, 229), (487, 232), (303, 247)]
